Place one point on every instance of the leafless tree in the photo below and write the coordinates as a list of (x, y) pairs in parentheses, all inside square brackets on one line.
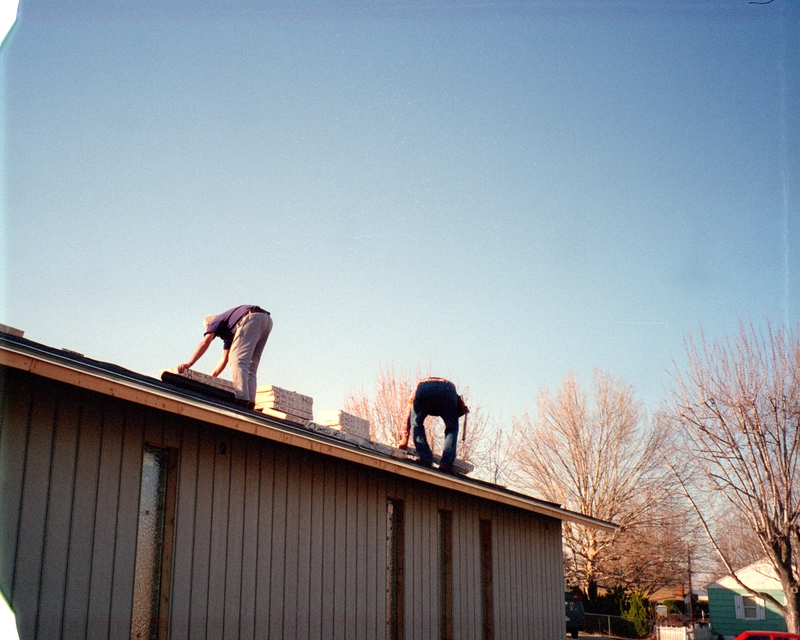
[(494, 459), (738, 408), (386, 408), (600, 459)]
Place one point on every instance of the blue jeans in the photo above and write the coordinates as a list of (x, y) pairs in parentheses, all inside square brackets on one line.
[(435, 398)]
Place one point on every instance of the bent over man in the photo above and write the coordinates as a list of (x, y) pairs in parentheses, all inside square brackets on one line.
[(434, 397), (244, 331)]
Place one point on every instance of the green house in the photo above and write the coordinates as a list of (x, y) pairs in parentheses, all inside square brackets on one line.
[(733, 609)]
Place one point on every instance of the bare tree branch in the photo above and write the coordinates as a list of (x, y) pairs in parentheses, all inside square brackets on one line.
[(597, 456), (737, 409)]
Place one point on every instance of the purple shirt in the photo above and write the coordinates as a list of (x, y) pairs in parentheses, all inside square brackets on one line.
[(223, 325)]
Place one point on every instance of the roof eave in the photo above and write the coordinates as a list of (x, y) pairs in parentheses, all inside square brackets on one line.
[(95, 378)]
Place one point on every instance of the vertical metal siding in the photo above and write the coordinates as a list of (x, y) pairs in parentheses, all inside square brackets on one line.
[(13, 450), (270, 541), (180, 602), (263, 557), (33, 509), (251, 499), (81, 533), (234, 558), (127, 510), (56, 544)]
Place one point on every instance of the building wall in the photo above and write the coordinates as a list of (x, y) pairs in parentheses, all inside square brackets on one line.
[(270, 541), (722, 613)]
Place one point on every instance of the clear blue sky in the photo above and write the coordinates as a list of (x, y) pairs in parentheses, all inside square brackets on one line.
[(500, 191)]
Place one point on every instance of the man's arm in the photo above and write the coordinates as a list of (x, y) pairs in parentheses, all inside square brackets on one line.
[(198, 353), (223, 361)]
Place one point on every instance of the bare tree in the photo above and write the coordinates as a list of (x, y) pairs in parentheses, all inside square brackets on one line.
[(738, 409), (386, 408), (494, 459), (599, 459)]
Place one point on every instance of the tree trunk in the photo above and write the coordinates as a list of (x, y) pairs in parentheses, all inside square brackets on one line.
[(791, 611), (591, 591)]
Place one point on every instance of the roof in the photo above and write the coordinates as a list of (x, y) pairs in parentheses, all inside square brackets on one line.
[(759, 576), (75, 369)]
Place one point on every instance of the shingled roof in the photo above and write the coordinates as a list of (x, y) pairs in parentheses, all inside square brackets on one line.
[(78, 370)]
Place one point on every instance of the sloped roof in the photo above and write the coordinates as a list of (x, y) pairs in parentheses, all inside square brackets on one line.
[(759, 576), (73, 368)]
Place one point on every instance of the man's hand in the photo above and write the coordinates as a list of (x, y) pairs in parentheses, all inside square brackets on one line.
[(403, 444), (201, 349)]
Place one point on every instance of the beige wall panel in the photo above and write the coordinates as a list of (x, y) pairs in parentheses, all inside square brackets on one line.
[(174, 427), (414, 533), (329, 519), (316, 546), (16, 399), (339, 559), (183, 547), (219, 534), (84, 504), (105, 524), (534, 604), (264, 551), (233, 558), (291, 585), (127, 510), (153, 426), (33, 511), (278, 546), (360, 549), (373, 500), (59, 514), (201, 547), (346, 545), (503, 566), (251, 498)]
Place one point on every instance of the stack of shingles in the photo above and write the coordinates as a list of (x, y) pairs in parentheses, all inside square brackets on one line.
[(203, 378), (343, 421), (286, 405)]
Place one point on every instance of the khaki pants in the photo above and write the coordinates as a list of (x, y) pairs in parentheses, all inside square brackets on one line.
[(248, 344)]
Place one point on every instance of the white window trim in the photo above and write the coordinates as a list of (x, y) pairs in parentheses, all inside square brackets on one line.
[(739, 602)]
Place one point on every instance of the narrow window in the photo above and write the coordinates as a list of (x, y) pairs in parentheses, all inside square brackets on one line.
[(749, 607), (445, 575), (486, 580), (151, 585), (395, 569)]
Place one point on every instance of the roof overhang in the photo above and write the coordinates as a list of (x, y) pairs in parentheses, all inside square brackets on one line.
[(86, 374)]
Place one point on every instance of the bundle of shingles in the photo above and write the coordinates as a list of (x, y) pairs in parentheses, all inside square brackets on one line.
[(201, 382), (343, 421), (286, 405)]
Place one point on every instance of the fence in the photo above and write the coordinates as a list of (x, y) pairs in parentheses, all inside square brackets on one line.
[(624, 628), (682, 633), (616, 626)]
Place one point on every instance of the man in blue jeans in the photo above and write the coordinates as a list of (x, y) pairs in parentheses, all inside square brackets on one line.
[(244, 331), (434, 397)]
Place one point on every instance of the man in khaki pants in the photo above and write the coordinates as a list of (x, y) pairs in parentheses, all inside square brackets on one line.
[(244, 331)]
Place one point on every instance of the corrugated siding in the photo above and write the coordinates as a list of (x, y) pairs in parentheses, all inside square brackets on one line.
[(270, 541)]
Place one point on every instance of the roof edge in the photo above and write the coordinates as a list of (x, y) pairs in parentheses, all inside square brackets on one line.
[(71, 368)]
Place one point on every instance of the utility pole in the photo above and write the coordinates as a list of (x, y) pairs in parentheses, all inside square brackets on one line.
[(691, 599)]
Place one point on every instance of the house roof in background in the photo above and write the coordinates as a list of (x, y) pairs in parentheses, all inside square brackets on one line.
[(759, 576)]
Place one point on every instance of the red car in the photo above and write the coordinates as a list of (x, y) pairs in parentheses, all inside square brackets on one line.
[(767, 635)]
